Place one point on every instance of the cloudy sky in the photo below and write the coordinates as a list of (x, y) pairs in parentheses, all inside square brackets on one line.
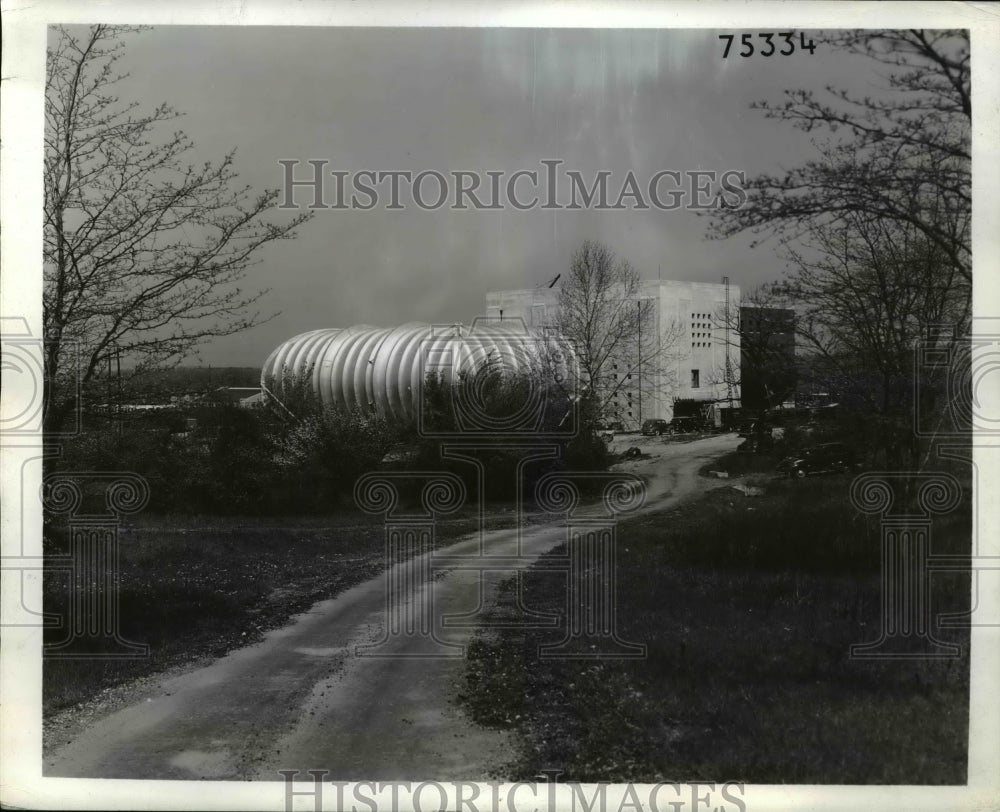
[(474, 100)]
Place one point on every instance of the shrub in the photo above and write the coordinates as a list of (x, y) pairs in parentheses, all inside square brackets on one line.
[(326, 452)]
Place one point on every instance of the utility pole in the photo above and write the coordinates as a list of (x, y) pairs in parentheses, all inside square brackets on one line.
[(729, 376), (638, 303), (109, 391), (118, 405)]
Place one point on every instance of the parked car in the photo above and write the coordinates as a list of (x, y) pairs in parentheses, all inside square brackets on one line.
[(821, 459), (655, 426), (682, 425)]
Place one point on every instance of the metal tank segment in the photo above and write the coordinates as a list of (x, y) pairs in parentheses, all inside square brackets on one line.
[(383, 368)]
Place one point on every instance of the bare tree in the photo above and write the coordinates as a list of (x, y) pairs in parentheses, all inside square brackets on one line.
[(143, 252), (902, 155), (877, 289), (621, 347), (877, 229)]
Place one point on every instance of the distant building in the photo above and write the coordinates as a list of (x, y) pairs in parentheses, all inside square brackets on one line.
[(695, 367), (767, 356), (253, 401), (235, 395)]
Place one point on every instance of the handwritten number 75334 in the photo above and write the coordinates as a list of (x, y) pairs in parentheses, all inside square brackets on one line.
[(768, 48)]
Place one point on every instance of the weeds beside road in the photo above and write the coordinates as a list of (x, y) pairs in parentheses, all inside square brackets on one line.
[(748, 607), (198, 587)]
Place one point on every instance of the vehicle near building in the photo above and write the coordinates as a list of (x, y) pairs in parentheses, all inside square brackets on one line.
[(726, 417), (825, 458), (685, 425), (655, 426)]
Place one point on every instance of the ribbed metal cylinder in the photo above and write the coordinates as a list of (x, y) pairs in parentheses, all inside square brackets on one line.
[(383, 368)]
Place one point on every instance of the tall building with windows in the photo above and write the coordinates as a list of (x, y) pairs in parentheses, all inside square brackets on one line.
[(693, 346), (768, 372)]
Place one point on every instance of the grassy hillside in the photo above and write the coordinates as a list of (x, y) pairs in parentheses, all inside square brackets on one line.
[(748, 608)]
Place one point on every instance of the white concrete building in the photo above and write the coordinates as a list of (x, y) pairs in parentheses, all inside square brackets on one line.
[(692, 337)]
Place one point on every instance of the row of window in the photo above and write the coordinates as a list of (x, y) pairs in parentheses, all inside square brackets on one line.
[(695, 383)]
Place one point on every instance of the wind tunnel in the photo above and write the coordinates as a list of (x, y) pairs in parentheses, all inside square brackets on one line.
[(383, 368)]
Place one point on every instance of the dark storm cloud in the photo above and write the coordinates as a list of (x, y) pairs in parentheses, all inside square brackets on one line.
[(471, 100)]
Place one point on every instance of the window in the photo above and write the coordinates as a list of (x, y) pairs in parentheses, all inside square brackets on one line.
[(695, 379)]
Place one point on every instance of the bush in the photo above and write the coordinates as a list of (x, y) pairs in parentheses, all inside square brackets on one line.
[(499, 396), (323, 454), (297, 455), (233, 466), (144, 447)]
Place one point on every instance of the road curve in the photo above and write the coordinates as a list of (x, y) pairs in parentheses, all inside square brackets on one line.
[(303, 699)]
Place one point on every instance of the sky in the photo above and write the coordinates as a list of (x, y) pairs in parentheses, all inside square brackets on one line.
[(473, 100)]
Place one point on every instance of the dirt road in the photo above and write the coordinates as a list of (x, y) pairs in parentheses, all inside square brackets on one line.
[(303, 699)]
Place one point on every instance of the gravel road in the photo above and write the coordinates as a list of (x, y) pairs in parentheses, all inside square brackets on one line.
[(303, 699)]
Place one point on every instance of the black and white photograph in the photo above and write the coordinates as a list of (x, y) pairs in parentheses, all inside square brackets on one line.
[(569, 406)]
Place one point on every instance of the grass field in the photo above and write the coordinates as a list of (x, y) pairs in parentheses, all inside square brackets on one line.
[(193, 587), (748, 607)]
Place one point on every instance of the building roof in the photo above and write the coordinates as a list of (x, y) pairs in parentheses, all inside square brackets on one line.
[(233, 394)]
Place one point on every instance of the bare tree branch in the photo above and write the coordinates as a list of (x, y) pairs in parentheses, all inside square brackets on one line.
[(144, 253), (613, 329), (903, 155)]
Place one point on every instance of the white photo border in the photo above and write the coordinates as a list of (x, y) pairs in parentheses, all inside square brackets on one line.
[(21, 126)]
